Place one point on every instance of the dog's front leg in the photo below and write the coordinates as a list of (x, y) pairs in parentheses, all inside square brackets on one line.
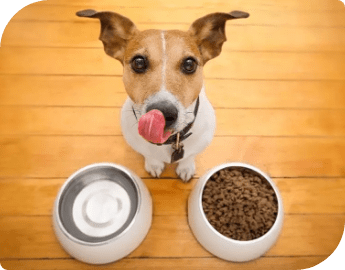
[(154, 167), (186, 168)]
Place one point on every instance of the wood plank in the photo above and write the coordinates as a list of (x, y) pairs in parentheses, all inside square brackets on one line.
[(230, 122), (240, 37), (270, 263), (64, 91), (309, 5), (280, 122), (275, 94), (300, 196), (269, 15), (312, 195), (60, 156), (60, 121), (170, 236), (24, 60), (239, 65), (109, 91), (277, 66)]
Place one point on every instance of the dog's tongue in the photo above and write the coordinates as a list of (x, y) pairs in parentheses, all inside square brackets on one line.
[(151, 127)]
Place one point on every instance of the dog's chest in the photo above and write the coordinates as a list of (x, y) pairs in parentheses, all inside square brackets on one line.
[(202, 133)]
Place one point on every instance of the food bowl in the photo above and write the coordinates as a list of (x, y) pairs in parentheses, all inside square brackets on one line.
[(220, 245), (102, 213)]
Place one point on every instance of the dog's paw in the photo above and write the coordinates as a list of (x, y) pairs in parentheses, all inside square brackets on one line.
[(154, 167), (186, 169)]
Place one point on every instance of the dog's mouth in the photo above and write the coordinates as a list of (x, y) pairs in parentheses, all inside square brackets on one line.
[(152, 127), (156, 127)]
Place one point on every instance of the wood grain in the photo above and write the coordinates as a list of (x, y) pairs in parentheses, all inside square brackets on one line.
[(240, 65), (308, 6), (278, 91), (170, 236), (300, 196), (232, 122), (107, 91), (268, 263), (59, 156), (240, 37), (266, 15)]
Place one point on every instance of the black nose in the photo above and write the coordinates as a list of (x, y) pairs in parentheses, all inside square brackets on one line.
[(168, 109)]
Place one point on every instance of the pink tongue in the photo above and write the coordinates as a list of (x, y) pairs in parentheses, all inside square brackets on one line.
[(151, 127)]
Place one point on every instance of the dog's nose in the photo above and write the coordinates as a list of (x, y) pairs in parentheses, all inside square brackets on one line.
[(168, 109)]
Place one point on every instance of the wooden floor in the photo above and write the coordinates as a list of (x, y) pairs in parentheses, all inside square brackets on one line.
[(279, 93)]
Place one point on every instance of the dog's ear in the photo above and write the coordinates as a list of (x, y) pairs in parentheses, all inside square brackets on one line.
[(209, 32), (116, 30)]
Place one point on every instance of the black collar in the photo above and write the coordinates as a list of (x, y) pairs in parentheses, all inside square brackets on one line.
[(183, 133)]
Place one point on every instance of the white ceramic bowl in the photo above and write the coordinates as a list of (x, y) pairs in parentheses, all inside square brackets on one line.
[(220, 245), (102, 213)]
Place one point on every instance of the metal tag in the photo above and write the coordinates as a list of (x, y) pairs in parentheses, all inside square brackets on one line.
[(178, 150), (177, 155)]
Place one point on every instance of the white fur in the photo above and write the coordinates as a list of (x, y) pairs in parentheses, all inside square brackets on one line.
[(155, 156)]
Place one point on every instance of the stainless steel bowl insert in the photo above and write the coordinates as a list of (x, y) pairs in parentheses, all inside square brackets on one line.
[(98, 204)]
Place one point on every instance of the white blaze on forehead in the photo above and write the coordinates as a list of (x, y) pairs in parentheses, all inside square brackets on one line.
[(164, 59)]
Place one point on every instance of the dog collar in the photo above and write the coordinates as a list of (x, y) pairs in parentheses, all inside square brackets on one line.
[(184, 133), (177, 138)]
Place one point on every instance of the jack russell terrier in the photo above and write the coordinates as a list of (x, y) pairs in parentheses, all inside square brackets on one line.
[(167, 117)]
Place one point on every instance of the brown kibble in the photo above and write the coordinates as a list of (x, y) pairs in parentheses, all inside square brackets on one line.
[(239, 204), (236, 173)]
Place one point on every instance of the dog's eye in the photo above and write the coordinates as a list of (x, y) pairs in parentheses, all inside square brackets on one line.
[(139, 64), (189, 65)]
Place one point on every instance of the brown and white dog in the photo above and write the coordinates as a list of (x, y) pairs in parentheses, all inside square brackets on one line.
[(167, 116)]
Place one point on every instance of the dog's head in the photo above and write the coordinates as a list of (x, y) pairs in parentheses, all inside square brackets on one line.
[(163, 70)]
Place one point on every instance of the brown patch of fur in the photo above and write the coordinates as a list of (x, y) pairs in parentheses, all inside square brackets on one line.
[(179, 46), (186, 87), (209, 32), (140, 86), (116, 30)]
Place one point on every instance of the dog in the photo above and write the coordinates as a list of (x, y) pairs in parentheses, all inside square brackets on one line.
[(167, 117)]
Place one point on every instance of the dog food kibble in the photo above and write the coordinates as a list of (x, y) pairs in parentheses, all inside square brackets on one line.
[(239, 203)]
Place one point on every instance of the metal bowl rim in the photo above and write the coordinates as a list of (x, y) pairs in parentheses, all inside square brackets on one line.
[(71, 178)]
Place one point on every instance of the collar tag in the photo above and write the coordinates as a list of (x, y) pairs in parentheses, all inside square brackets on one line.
[(178, 152)]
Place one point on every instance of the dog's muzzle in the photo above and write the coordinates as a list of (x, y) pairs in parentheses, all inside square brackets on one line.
[(169, 111)]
